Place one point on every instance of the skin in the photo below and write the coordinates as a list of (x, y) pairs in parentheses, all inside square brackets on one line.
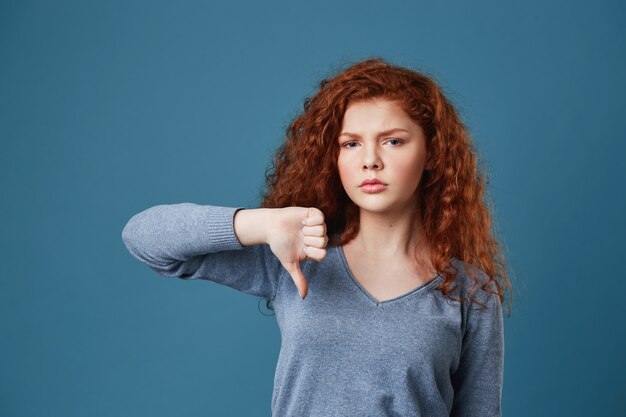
[(398, 159), (292, 233)]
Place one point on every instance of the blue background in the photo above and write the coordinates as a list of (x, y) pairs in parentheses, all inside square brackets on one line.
[(108, 108)]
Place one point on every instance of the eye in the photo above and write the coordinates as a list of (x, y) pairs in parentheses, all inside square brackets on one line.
[(345, 145), (396, 140)]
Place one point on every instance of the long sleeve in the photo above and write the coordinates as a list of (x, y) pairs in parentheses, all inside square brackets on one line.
[(478, 380), (189, 241)]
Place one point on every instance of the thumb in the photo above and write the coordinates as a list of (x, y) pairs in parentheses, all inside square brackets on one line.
[(298, 278)]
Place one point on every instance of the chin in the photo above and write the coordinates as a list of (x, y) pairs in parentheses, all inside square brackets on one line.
[(374, 207), (380, 204)]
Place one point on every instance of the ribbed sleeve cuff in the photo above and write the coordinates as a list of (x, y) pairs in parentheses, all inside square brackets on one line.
[(220, 221)]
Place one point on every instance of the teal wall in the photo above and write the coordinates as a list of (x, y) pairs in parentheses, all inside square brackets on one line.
[(107, 108)]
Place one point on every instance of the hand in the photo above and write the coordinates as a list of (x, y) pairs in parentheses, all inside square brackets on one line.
[(293, 241)]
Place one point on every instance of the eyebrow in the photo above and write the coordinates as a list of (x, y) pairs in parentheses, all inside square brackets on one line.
[(386, 132)]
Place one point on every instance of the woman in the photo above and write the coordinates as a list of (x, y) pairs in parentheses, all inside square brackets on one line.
[(373, 244)]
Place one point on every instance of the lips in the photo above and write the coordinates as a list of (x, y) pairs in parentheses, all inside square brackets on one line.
[(371, 181)]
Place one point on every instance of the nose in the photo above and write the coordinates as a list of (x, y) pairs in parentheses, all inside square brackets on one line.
[(371, 159)]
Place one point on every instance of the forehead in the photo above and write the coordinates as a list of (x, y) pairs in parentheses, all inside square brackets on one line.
[(379, 113)]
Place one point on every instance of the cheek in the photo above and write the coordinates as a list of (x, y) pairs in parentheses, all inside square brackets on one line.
[(409, 169), (343, 166)]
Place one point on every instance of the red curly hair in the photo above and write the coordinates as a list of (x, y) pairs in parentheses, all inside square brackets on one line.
[(455, 207)]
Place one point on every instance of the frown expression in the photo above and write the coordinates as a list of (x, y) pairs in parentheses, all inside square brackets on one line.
[(379, 140)]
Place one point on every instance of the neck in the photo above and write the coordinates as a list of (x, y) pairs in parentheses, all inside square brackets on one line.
[(391, 234)]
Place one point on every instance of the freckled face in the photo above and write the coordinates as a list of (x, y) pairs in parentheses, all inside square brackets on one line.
[(379, 140)]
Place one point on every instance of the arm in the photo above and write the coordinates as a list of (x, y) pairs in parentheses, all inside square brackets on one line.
[(191, 241), (478, 380)]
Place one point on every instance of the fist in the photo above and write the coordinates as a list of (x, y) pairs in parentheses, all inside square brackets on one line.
[(295, 234)]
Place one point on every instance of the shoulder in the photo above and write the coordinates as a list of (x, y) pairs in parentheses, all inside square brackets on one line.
[(472, 282), (482, 308)]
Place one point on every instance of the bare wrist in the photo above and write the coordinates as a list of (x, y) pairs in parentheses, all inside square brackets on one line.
[(251, 225)]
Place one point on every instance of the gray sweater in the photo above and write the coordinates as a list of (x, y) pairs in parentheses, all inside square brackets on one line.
[(343, 353)]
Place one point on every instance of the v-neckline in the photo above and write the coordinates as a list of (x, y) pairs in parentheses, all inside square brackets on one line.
[(371, 298)]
